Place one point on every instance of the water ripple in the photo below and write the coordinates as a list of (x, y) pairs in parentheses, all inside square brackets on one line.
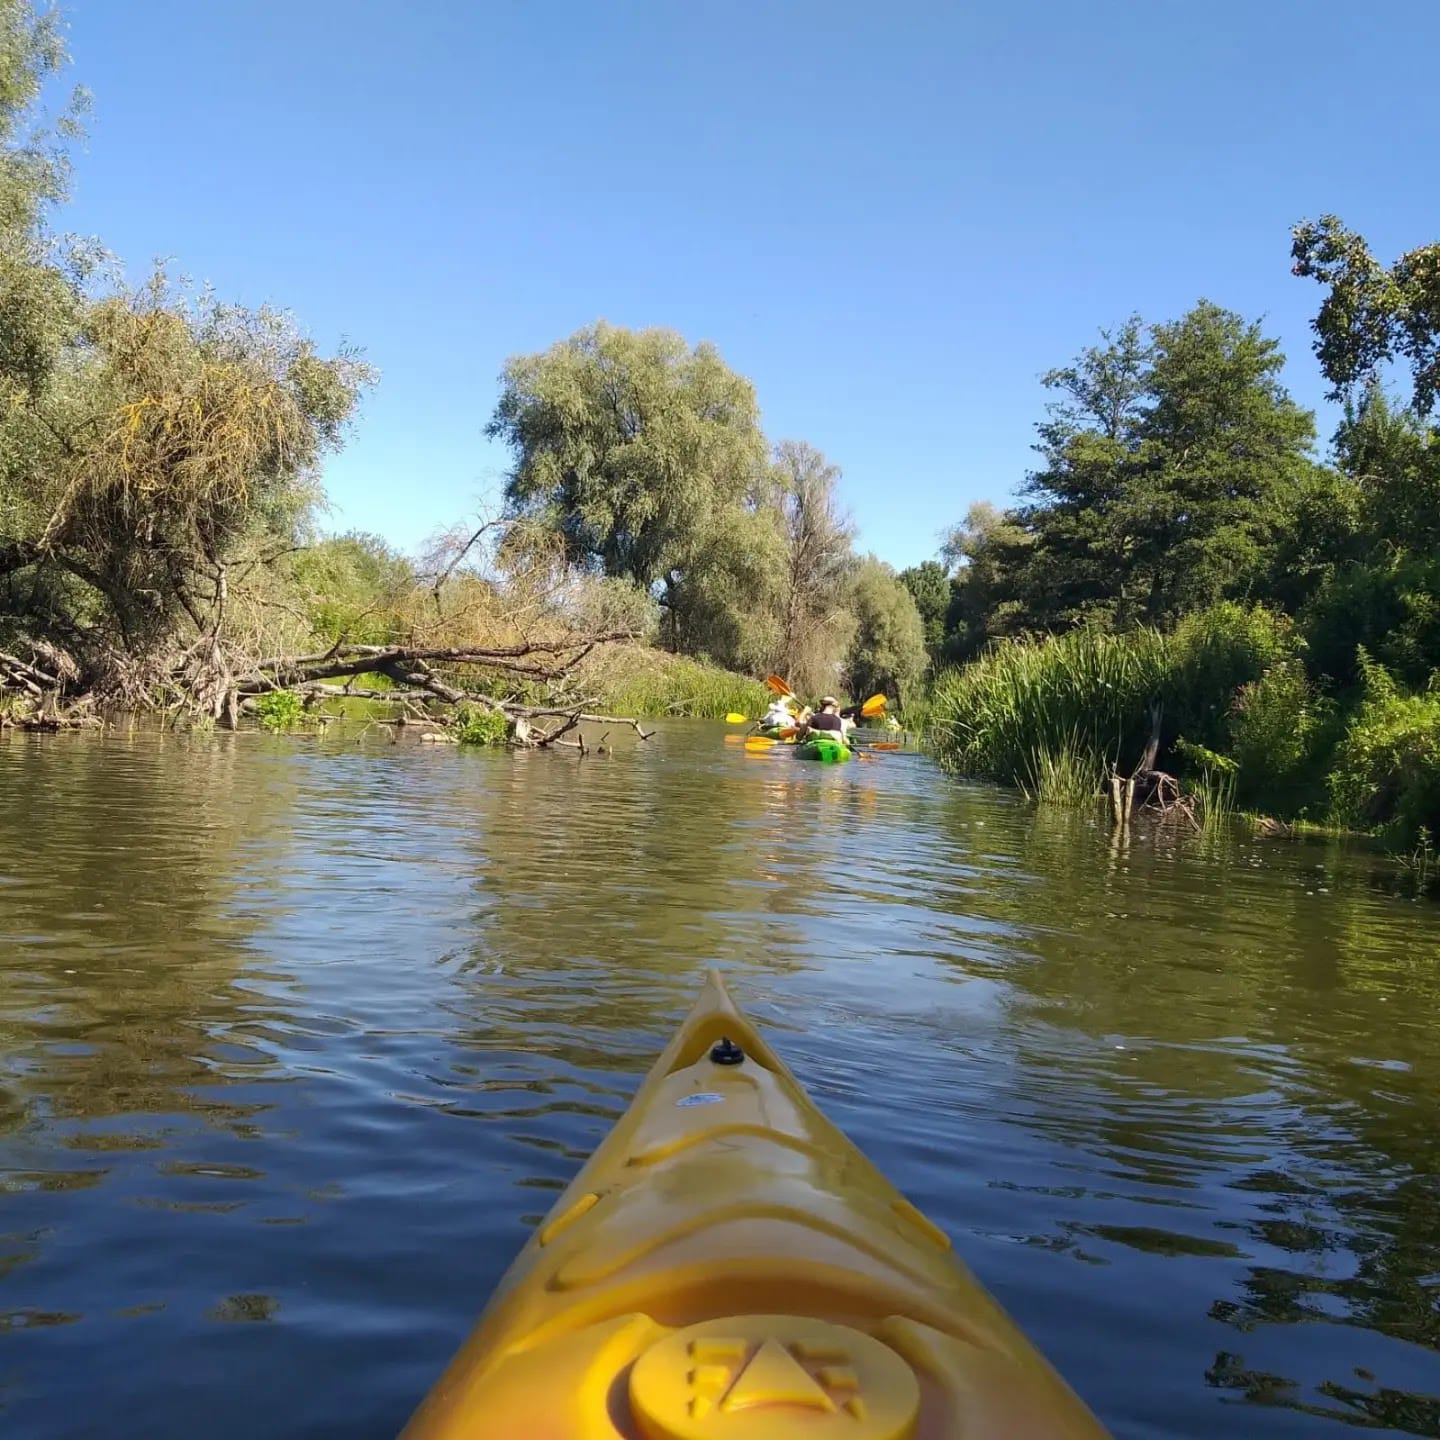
[(298, 1040)]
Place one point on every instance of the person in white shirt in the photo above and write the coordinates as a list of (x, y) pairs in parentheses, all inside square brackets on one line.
[(778, 715)]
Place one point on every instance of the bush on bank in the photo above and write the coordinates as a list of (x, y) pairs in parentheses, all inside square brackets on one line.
[(1235, 696)]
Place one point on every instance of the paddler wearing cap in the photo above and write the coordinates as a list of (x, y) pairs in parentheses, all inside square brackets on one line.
[(827, 718)]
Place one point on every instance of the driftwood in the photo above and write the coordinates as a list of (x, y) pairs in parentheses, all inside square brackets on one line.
[(35, 704), (418, 682), (1149, 789), (205, 679)]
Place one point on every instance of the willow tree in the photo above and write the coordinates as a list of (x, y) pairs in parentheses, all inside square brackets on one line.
[(887, 653), (816, 623), (173, 449), (643, 454), (154, 449)]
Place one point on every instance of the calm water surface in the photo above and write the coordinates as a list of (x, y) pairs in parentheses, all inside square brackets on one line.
[(299, 1037)]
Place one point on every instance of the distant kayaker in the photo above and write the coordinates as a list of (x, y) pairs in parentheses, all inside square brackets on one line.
[(827, 717), (778, 716)]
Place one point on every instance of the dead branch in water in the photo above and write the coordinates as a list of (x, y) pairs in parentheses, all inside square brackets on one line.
[(426, 675), (1149, 789), (433, 684)]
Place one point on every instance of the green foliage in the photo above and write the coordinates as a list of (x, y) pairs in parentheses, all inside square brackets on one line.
[(1166, 458), (644, 458), (929, 587), (988, 549), (1280, 731), (33, 168), (1318, 530), (475, 725), (169, 442), (1371, 315), (601, 604), (1392, 458), (1388, 607), (628, 443), (815, 625), (1091, 693), (725, 608), (652, 684), (280, 710), (1177, 473), (1218, 776), (887, 654), (1386, 774), (354, 588)]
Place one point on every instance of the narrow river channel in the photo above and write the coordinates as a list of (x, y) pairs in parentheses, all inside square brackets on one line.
[(298, 1037)]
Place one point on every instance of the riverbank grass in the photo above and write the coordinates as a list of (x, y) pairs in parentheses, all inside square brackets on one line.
[(630, 680), (1242, 724)]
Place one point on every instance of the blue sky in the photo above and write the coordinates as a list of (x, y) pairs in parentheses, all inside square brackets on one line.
[(892, 219)]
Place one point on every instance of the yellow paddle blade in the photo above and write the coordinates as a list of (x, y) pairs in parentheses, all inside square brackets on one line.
[(759, 742), (733, 719), (875, 705), (776, 684)]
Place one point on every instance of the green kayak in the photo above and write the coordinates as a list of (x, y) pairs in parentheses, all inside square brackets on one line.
[(825, 748), (773, 732)]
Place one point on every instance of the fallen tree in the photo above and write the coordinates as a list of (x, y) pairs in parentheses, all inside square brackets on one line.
[(435, 684), (420, 676)]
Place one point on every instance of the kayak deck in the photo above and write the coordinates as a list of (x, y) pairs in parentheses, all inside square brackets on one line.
[(727, 1264), (828, 749)]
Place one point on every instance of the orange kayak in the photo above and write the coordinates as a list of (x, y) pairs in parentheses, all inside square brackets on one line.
[(728, 1266)]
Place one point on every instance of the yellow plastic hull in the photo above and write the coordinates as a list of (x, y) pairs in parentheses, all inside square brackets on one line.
[(728, 1266)]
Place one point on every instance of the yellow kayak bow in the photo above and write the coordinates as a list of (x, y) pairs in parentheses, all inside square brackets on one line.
[(727, 1266)]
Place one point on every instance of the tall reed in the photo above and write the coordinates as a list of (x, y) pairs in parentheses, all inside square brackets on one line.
[(1087, 694), (649, 682)]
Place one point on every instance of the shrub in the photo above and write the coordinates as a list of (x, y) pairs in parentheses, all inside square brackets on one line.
[(1218, 776), (477, 726), (1386, 774), (280, 710), (1390, 609), (1281, 731)]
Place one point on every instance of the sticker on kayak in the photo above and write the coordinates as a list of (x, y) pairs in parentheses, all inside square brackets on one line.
[(703, 1097)]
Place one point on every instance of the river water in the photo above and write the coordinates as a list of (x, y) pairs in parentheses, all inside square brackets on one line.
[(299, 1036)]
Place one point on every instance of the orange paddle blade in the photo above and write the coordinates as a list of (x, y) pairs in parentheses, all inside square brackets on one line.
[(875, 705), (777, 685)]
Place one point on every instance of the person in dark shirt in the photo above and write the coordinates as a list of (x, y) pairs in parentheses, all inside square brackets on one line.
[(828, 718)]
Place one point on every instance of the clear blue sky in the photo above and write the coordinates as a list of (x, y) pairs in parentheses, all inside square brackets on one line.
[(892, 218)]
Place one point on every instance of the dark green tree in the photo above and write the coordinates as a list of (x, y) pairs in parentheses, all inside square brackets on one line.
[(929, 587), (1381, 586), (1168, 460), (989, 551)]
